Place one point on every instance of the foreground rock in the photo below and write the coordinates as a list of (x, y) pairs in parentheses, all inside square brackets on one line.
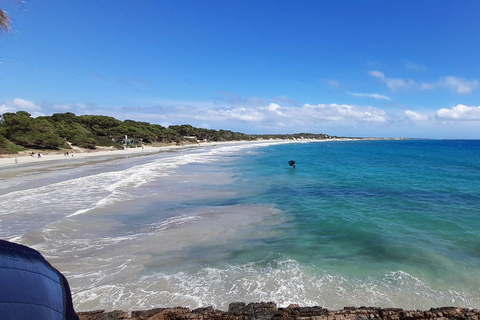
[(268, 310)]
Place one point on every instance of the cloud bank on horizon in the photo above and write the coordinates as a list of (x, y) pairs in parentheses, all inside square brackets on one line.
[(342, 68), (273, 118)]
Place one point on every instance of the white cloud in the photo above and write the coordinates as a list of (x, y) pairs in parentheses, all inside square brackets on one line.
[(393, 83), (77, 108), (377, 74), (341, 112), (459, 112), (19, 104), (415, 116), (460, 85), (369, 95), (273, 116), (278, 117), (25, 105), (4, 108)]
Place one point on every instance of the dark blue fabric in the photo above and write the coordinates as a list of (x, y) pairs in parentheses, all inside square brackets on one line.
[(30, 288)]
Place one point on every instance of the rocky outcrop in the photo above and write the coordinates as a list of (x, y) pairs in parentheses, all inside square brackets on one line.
[(269, 311)]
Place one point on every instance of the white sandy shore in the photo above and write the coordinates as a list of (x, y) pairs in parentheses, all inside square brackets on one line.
[(24, 158), (18, 163)]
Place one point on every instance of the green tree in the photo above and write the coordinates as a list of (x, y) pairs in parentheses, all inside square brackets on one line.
[(184, 129), (21, 129), (100, 125), (7, 147), (19, 121)]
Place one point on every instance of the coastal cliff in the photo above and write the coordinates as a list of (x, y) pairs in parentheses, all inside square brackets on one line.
[(269, 310)]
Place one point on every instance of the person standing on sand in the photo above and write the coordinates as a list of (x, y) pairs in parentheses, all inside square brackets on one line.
[(16, 160)]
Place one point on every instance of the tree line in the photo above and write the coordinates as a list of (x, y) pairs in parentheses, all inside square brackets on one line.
[(20, 131), (60, 130)]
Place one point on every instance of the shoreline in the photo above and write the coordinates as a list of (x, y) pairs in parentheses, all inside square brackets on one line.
[(250, 311), (31, 155), (269, 310), (24, 164), (13, 165)]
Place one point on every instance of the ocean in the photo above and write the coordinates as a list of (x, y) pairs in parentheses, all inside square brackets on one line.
[(386, 223)]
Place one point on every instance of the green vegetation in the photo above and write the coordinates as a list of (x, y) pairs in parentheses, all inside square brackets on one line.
[(6, 147), (19, 130), (61, 130)]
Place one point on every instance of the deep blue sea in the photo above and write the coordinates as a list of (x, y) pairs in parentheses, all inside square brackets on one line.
[(389, 223)]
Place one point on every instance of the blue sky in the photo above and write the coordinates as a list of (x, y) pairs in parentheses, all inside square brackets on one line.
[(349, 68)]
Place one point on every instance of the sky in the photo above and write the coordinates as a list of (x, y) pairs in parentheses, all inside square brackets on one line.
[(369, 68)]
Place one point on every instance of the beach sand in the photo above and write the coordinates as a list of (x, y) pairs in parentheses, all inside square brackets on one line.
[(25, 158), (24, 164), (12, 165)]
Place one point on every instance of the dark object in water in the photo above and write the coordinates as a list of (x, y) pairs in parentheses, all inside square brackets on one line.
[(31, 287), (291, 163)]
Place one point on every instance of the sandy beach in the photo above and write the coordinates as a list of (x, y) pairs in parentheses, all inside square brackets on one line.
[(24, 163), (25, 158)]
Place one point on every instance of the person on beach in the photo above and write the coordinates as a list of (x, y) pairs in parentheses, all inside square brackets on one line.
[(16, 160)]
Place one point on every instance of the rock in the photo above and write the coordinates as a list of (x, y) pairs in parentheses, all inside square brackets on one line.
[(100, 315), (236, 308), (269, 311), (146, 314), (158, 316), (261, 310)]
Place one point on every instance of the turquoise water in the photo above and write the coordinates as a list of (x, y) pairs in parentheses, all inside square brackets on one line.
[(388, 223), (365, 208), (376, 223)]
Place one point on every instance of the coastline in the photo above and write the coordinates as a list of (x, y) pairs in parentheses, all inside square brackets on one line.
[(250, 311), (12, 165)]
